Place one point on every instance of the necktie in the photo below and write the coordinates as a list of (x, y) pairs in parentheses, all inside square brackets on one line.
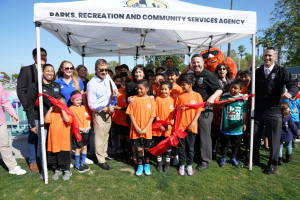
[(267, 73)]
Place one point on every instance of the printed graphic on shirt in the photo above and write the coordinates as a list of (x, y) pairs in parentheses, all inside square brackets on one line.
[(172, 107), (193, 102), (233, 113), (200, 81), (56, 89), (62, 86), (148, 105)]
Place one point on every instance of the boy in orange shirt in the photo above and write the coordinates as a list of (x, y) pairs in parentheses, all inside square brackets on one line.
[(165, 111), (142, 112), (59, 144), (159, 78), (188, 122), (172, 76), (119, 125), (84, 121)]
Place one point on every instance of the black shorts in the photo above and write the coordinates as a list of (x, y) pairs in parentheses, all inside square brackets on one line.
[(120, 129), (142, 142), (215, 130), (84, 142), (60, 158), (234, 139)]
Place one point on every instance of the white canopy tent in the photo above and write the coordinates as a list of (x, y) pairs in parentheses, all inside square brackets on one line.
[(102, 28)]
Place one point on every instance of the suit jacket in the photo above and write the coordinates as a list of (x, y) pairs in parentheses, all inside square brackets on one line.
[(27, 76)]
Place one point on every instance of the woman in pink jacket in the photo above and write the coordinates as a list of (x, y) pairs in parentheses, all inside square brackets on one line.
[(5, 150)]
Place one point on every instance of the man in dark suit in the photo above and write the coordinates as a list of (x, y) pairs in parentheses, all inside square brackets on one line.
[(27, 76), (269, 83)]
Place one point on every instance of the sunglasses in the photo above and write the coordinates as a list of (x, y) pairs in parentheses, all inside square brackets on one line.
[(220, 69), (102, 70), (69, 68), (215, 52)]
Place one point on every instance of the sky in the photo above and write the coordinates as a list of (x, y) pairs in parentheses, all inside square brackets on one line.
[(19, 36)]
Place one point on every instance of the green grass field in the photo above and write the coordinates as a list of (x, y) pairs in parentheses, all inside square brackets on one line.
[(121, 183)]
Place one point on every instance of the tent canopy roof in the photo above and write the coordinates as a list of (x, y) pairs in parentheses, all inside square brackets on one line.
[(129, 27)]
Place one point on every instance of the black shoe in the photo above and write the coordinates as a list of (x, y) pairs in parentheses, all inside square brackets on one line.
[(80, 169), (289, 158), (159, 167), (280, 161), (109, 158), (202, 166), (214, 155), (85, 167), (270, 170), (167, 167), (104, 166), (122, 156), (253, 163), (267, 148)]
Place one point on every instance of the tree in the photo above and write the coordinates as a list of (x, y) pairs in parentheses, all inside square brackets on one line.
[(242, 49), (90, 76), (5, 75), (15, 75), (257, 43), (112, 65), (284, 34), (160, 61)]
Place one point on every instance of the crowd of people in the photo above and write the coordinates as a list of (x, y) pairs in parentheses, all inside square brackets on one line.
[(148, 97)]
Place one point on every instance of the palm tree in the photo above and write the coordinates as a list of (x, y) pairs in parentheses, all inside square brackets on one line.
[(242, 49)]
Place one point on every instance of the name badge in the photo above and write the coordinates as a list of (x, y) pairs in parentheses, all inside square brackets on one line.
[(148, 105), (200, 81), (193, 102), (171, 107), (56, 90)]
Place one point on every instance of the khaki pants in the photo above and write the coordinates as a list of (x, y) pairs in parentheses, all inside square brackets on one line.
[(5, 150), (102, 123)]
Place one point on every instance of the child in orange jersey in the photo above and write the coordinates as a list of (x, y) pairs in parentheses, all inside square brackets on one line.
[(119, 125), (84, 121), (188, 123), (166, 112), (159, 78), (59, 144), (172, 76), (142, 112)]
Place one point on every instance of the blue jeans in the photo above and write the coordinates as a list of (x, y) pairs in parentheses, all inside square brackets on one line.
[(288, 146), (38, 128), (32, 145)]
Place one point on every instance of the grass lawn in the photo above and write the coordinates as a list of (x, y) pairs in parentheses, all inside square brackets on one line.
[(121, 183)]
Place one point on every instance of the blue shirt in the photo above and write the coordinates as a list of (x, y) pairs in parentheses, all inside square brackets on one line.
[(294, 108), (99, 92), (67, 89)]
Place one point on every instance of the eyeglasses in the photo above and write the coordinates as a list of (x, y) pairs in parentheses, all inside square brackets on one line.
[(102, 70), (220, 69), (214, 52), (69, 68)]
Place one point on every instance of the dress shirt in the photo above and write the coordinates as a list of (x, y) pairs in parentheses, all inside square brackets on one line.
[(270, 68), (99, 93)]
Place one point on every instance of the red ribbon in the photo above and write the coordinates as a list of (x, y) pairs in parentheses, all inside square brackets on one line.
[(58, 103), (162, 147)]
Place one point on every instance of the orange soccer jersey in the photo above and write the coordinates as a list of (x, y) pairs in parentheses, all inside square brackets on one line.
[(59, 133), (158, 94), (176, 91), (154, 87), (142, 110), (244, 90), (188, 115), (119, 116), (165, 111), (82, 116)]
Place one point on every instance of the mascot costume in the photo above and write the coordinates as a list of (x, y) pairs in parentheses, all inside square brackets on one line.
[(213, 57)]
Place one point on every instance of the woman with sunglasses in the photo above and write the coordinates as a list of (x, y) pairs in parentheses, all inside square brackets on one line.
[(69, 81), (223, 73), (48, 87)]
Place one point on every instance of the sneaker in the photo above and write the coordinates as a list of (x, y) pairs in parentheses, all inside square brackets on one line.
[(72, 163), (17, 170), (222, 163), (280, 159), (139, 170), (147, 170), (240, 156), (85, 167), (176, 160), (56, 174), (235, 162), (167, 167), (80, 169), (88, 161), (189, 170), (294, 145), (181, 170), (67, 175), (159, 167)]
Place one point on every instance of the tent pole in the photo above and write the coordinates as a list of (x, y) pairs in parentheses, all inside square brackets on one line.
[(144, 61), (38, 47), (82, 60), (154, 62), (252, 103), (119, 59), (125, 59)]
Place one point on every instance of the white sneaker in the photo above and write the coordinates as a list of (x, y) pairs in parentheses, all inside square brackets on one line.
[(88, 161), (71, 165), (18, 171), (181, 170), (176, 160), (189, 170)]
